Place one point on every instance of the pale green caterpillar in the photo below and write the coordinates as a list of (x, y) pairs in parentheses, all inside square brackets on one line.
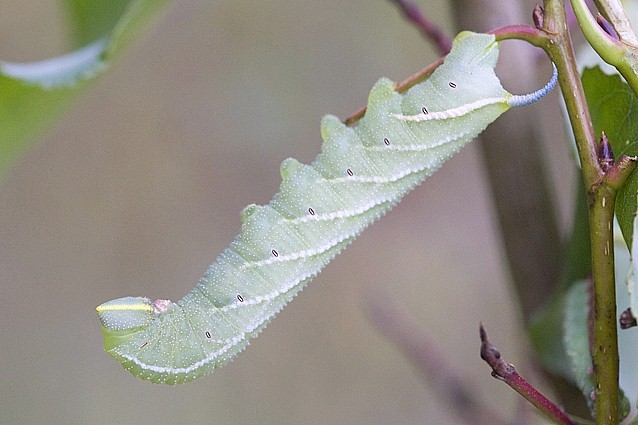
[(361, 172)]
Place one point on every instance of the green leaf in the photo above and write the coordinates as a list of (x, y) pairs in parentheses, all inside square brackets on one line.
[(91, 20), (546, 335), (576, 340), (627, 338), (629, 291), (614, 110), (33, 94), (546, 330)]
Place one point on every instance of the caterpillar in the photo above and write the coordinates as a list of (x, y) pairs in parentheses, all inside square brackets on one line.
[(361, 172)]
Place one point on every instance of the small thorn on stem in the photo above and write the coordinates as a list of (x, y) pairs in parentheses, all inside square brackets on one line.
[(627, 319), (607, 27), (538, 16), (605, 153)]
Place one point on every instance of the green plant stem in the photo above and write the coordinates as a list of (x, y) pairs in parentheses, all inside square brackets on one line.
[(623, 53), (561, 52), (526, 33), (615, 14), (605, 348), (609, 49), (601, 197)]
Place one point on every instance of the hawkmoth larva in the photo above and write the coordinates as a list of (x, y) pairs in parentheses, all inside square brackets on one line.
[(361, 172)]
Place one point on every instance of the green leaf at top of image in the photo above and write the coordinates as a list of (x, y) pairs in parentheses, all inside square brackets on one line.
[(614, 110), (33, 94), (93, 19)]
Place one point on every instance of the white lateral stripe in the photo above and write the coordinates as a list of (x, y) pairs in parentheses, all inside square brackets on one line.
[(375, 179), (230, 343), (269, 296), (397, 147), (184, 370), (209, 358), (512, 100), (341, 213), (454, 112), (295, 255)]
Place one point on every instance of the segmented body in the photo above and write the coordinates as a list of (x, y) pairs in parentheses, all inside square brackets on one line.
[(361, 172)]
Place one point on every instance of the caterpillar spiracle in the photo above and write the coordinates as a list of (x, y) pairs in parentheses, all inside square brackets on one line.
[(360, 174)]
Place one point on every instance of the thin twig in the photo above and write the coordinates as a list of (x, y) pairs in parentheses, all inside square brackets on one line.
[(430, 31), (507, 373), (397, 325), (522, 32)]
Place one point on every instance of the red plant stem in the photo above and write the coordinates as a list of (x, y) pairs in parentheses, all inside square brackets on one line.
[(532, 35), (449, 381), (531, 394), (507, 373)]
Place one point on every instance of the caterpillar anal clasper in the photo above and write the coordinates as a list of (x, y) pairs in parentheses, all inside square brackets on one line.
[(360, 174)]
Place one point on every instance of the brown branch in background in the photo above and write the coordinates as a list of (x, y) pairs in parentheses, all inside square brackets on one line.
[(515, 164), (448, 383), (507, 373), (428, 29)]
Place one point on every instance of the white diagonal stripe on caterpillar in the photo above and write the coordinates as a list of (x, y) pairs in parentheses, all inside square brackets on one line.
[(184, 370), (453, 112), (229, 344), (341, 214), (306, 253), (270, 296), (418, 147)]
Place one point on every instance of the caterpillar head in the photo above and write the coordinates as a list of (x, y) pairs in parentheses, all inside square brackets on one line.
[(123, 317)]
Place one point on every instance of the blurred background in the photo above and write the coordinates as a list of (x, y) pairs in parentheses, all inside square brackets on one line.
[(139, 186)]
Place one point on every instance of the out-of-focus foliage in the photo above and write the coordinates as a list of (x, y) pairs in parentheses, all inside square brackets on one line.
[(35, 93), (93, 19), (614, 110)]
